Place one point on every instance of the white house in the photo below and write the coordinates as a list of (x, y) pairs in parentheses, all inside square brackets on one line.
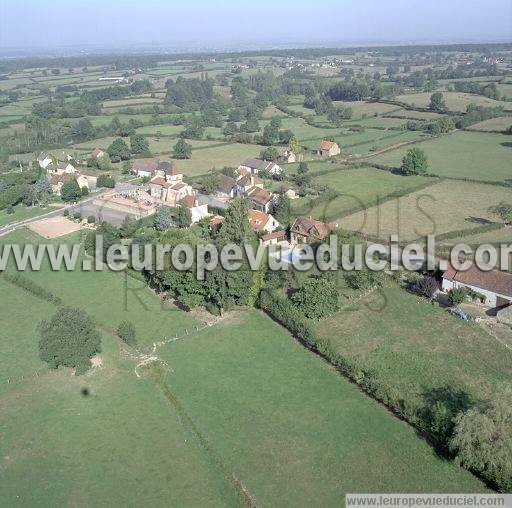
[(226, 186), (328, 149), (494, 286), (261, 221), (254, 166), (198, 209), (43, 160)]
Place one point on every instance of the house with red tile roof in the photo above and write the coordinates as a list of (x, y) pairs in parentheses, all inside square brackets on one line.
[(328, 148), (494, 286)]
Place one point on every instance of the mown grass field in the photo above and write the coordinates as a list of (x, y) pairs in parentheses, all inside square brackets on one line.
[(440, 208), (430, 350), (472, 155), (455, 101), (239, 398), (355, 188), (499, 124)]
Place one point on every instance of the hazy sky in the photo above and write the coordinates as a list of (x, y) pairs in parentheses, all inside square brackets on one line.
[(55, 23)]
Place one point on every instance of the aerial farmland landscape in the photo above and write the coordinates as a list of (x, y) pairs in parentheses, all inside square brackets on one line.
[(149, 356)]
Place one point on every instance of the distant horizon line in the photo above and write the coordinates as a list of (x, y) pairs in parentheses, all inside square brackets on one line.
[(234, 48)]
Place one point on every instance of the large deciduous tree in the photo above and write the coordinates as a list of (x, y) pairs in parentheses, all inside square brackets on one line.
[(482, 439), (414, 162), (317, 298), (69, 339)]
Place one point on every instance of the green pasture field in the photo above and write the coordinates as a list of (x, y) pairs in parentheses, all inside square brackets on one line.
[(217, 155), (499, 124), (103, 120), (362, 108), (503, 235), (408, 114), (505, 89), (383, 139), (300, 425), (380, 122), (355, 188), (428, 351), (455, 101), (443, 207), (474, 155), (130, 102), (164, 129)]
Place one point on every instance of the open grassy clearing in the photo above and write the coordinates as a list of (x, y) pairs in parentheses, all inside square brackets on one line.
[(356, 188), (455, 101), (474, 155), (430, 350), (440, 208), (499, 124)]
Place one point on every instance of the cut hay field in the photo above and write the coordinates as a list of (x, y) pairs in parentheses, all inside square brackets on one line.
[(503, 235), (455, 101), (499, 124), (239, 399), (355, 188), (414, 115), (363, 109), (441, 208), (99, 121), (473, 155), (431, 353), (217, 155)]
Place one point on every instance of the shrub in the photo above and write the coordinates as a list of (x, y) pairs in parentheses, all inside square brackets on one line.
[(456, 296), (316, 298), (31, 287), (427, 287), (126, 332), (91, 219), (482, 439), (289, 316), (69, 339), (77, 216), (66, 213)]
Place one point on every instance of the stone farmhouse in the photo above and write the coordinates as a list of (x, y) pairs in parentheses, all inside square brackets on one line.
[(328, 149), (254, 166), (493, 288), (308, 230)]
